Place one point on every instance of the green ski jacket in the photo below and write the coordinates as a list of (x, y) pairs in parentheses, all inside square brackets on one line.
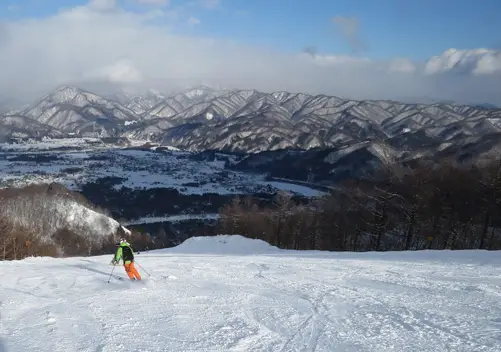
[(125, 252)]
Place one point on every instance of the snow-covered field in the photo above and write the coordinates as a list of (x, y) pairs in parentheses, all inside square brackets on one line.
[(233, 294), (77, 161), (171, 218)]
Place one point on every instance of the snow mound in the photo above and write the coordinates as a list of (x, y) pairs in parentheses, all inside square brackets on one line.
[(223, 244)]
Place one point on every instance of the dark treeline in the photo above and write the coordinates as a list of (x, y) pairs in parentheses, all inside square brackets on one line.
[(449, 207)]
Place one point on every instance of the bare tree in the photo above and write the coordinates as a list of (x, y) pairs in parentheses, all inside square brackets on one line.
[(450, 206)]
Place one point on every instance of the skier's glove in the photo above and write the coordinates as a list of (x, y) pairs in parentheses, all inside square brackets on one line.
[(113, 262)]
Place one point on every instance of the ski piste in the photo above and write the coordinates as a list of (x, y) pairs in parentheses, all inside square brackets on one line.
[(145, 276), (234, 294), (120, 282)]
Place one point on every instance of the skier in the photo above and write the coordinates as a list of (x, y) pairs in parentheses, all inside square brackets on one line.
[(125, 252)]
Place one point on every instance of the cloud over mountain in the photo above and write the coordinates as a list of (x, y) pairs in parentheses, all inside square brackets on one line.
[(102, 43)]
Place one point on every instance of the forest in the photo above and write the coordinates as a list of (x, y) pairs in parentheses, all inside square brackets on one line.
[(448, 207), (50, 220)]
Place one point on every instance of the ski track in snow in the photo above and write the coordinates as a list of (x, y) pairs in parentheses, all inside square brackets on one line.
[(284, 301)]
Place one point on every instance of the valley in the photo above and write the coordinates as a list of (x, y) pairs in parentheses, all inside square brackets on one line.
[(310, 138), (145, 186), (166, 165)]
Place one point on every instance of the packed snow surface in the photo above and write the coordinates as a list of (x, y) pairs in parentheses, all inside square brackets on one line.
[(231, 294)]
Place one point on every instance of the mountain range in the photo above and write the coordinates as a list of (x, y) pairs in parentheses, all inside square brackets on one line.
[(249, 121)]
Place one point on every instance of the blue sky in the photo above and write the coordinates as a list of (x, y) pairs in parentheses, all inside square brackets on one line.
[(377, 49), (416, 29)]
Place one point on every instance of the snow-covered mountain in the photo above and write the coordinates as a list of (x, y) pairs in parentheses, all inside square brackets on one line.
[(18, 126), (249, 121), (71, 110)]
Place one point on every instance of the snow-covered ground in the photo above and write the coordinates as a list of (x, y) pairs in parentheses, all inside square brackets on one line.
[(171, 218), (297, 189), (234, 294), (75, 162), (48, 143)]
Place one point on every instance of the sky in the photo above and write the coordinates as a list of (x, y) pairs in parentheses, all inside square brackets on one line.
[(385, 49)]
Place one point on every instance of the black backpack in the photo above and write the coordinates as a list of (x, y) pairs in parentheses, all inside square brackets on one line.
[(127, 253)]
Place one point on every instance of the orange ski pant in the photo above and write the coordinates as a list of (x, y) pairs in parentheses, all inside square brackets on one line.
[(131, 271)]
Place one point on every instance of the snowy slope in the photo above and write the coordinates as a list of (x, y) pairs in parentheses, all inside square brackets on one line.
[(200, 297)]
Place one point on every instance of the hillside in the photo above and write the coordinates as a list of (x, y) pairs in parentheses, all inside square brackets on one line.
[(157, 189), (251, 121), (52, 220), (212, 294)]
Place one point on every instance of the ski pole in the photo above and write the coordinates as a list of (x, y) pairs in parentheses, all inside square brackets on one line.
[(142, 269), (111, 273)]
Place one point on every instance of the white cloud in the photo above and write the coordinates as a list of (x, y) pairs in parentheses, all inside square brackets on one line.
[(349, 28), (489, 63), (154, 2), (102, 5), (193, 21), (103, 45), (120, 72), (402, 65), (477, 61)]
